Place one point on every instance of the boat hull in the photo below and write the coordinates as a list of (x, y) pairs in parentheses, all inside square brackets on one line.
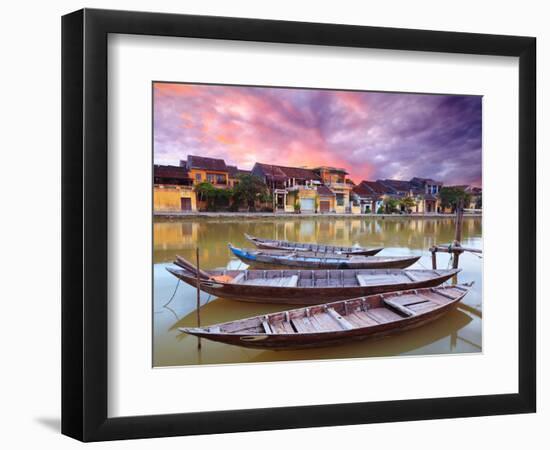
[(316, 340), (297, 247), (324, 339), (301, 295), (368, 252), (265, 260)]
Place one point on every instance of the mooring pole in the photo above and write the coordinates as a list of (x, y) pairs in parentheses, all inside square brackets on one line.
[(434, 258), (198, 297), (458, 232)]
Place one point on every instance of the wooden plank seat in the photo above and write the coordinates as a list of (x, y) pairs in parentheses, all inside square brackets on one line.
[(419, 308), (339, 319), (401, 308), (291, 281), (266, 326), (368, 280), (411, 277)]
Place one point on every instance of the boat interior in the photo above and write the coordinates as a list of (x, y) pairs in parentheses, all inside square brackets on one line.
[(346, 315), (324, 278)]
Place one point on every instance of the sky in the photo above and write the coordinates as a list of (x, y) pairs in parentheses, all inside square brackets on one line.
[(373, 135)]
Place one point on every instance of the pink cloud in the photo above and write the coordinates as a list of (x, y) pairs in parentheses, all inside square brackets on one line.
[(369, 134)]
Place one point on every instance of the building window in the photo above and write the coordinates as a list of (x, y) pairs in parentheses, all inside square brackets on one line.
[(340, 199), (215, 178), (198, 177)]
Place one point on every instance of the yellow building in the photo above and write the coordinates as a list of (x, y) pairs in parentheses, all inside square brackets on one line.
[(173, 190), (294, 189), (302, 199), (326, 201), (335, 180), (212, 170)]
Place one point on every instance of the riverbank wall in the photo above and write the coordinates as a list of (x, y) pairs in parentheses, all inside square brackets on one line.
[(169, 215)]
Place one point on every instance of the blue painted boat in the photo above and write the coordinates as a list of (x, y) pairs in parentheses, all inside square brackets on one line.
[(318, 260)]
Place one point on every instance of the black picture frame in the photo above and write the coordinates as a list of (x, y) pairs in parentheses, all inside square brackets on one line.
[(84, 224)]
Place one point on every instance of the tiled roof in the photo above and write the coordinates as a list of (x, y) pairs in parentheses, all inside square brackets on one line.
[(324, 190), (398, 185), (466, 187), (374, 187), (234, 171), (283, 172), (173, 172), (203, 162), (362, 191), (422, 181)]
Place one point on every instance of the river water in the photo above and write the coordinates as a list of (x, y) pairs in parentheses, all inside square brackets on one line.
[(459, 331)]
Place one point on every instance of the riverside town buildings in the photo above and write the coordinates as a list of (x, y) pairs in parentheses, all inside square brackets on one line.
[(318, 190)]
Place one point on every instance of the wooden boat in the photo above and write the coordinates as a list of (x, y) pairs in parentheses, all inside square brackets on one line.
[(305, 287), (316, 260), (273, 244), (337, 322)]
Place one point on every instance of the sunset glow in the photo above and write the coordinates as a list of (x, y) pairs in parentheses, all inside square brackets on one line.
[(372, 135)]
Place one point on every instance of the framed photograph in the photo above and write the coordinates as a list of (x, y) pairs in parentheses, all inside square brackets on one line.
[(273, 224)]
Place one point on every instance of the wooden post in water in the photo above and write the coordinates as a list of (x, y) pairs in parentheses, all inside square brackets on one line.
[(434, 257), (198, 297), (458, 232)]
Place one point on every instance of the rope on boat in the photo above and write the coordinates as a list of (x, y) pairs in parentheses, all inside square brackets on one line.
[(173, 294)]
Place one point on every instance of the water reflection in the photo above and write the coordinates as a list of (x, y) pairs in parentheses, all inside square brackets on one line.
[(458, 332)]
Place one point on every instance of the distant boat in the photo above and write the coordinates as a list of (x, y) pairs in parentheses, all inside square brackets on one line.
[(305, 287), (337, 322), (305, 247), (316, 260)]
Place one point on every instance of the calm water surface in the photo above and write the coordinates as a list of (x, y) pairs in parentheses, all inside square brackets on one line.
[(457, 332)]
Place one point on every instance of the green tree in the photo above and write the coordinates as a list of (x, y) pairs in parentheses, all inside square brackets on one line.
[(390, 205), (249, 189), (221, 198), (205, 192), (450, 196), (407, 203), (214, 197)]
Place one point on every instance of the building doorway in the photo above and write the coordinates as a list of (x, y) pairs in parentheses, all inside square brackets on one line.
[(185, 204), (307, 205)]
